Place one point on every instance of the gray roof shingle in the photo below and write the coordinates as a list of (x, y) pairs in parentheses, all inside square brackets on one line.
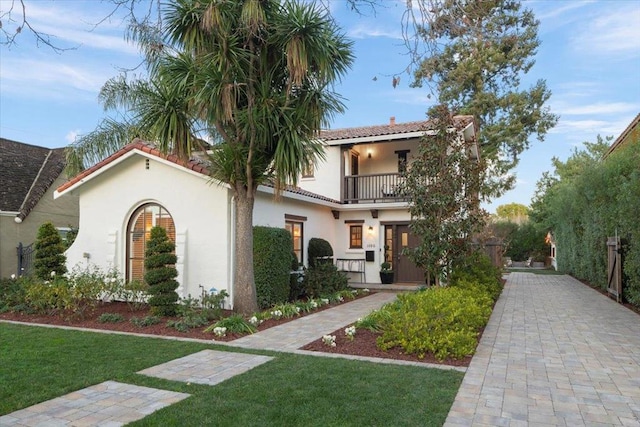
[(26, 173)]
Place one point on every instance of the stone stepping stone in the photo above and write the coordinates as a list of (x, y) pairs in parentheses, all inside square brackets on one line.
[(208, 367), (108, 404)]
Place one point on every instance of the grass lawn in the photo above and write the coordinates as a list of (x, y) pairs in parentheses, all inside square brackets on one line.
[(38, 364)]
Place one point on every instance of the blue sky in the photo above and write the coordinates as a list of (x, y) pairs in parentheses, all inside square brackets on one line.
[(589, 56)]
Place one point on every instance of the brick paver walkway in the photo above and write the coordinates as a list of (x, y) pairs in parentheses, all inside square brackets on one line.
[(108, 404), (293, 335), (555, 353), (207, 367)]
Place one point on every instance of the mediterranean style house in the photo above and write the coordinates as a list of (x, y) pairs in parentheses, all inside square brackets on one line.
[(348, 199), (28, 177)]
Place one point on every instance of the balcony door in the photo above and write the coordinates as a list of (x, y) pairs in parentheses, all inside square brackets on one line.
[(355, 171)]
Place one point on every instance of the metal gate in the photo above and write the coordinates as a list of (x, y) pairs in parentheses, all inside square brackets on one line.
[(25, 259), (614, 282)]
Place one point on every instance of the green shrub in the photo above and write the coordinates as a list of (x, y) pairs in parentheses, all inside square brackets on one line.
[(318, 249), (478, 270), (49, 255), (442, 321), (12, 294), (233, 324), (324, 280), (272, 248), (145, 321), (110, 318), (160, 274), (183, 324)]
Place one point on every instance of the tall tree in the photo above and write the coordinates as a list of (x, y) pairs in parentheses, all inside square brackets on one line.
[(514, 212), (441, 185), (476, 53), (256, 74)]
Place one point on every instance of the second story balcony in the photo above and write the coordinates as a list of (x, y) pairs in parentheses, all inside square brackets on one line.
[(372, 188)]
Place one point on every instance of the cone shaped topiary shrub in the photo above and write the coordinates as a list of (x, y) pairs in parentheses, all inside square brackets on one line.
[(49, 255), (160, 273)]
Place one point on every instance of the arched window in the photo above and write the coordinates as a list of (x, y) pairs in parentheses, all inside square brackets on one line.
[(139, 232)]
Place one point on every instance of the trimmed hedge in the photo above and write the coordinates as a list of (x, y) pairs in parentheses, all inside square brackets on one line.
[(318, 248), (272, 249), (324, 279), (600, 199), (160, 274), (49, 256)]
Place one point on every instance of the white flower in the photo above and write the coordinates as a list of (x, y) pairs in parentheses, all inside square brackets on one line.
[(314, 304), (220, 331), (350, 331), (340, 298), (254, 321), (298, 309), (46, 282), (13, 277), (276, 313), (324, 300), (53, 274), (329, 340), (366, 290)]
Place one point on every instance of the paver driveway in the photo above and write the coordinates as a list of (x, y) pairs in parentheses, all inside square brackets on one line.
[(555, 352)]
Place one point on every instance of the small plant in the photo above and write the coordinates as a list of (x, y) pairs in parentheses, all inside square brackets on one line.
[(350, 332), (220, 331), (234, 324), (141, 322), (287, 311), (110, 318), (329, 340)]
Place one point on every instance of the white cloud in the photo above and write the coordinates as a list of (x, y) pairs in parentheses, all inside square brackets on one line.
[(600, 108), (367, 30), (613, 32), (72, 136)]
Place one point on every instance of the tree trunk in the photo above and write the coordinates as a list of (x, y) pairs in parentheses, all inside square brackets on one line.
[(244, 287)]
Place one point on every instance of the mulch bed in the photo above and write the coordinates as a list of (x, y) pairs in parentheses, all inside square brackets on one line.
[(363, 344)]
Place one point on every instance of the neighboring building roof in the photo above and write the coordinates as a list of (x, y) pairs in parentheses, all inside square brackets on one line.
[(392, 128), (634, 126), (26, 173), (194, 164)]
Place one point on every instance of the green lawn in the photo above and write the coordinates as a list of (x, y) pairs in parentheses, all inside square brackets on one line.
[(38, 364)]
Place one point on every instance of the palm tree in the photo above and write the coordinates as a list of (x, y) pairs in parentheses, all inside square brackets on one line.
[(258, 75)]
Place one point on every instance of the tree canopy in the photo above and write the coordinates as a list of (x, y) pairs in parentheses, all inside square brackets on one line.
[(256, 77)]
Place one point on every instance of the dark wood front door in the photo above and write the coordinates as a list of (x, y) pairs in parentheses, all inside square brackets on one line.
[(406, 269), (397, 238)]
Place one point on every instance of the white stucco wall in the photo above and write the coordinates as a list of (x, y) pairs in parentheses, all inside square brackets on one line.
[(371, 241), (326, 179), (199, 210)]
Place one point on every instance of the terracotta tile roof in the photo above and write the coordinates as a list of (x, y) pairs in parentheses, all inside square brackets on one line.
[(391, 128), (26, 174), (193, 164)]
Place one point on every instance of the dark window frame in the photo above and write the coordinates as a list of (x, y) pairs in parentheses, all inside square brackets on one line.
[(356, 236)]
